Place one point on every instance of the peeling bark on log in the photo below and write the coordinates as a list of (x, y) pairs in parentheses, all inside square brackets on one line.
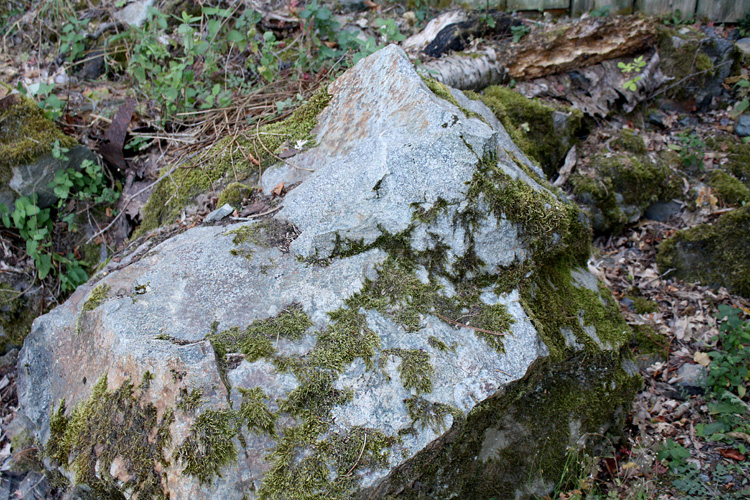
[(473, 71), (597, 89), (580, 44)]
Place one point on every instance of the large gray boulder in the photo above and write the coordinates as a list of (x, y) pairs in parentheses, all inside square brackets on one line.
[(416, 322)]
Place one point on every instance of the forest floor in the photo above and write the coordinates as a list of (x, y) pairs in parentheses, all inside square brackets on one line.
[(687, 436)]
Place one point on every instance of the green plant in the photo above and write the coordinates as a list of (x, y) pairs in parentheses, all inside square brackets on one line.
[(181, 76), (744, 25), (519, 32), (389, 30), (52, 105), (729, 363), (744, 88), (73, 38), (691, 149), (676, 19), (627, 68), (324, 39), (34, 225)]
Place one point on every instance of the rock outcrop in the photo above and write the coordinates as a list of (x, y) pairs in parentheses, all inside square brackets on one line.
[(715, 254), (417, 321)]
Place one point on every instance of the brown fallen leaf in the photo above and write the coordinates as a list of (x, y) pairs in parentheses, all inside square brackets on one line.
[(731, 453), (278, 189), (114, 137), (253, 208), (371, 5)]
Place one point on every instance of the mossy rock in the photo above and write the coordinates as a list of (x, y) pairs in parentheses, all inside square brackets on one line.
[(729, 189), (698, 61), (620, 186), (715, 254), (27, 138), (233, 194), (417, 318), (543, 131)]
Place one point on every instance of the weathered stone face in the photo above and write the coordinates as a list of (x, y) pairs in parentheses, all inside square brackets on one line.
[(413, 316)]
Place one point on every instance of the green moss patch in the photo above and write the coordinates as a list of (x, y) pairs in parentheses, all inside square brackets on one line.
[(256, 341), (233, 194), (111, 425), (229, 159), (547, 224), (531, 125), (311, 476), (683, 59), (430, 414), (715, 255), (209, 446), (415, 369), (728, 188), (96, 298), (443, 92), (25, 133), (556, 303)]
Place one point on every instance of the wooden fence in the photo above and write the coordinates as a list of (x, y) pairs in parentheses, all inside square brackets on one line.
[(721, 11)]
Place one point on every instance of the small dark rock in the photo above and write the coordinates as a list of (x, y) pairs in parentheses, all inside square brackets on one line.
[(93, 68), (656, 117), (628, 303), (9, 358), (662, 211), (689, 121), (743, 126), (692, 378)]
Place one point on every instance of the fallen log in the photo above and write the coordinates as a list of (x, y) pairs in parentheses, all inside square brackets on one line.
[(576, 45)]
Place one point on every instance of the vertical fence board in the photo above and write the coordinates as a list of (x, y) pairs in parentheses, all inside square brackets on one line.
[(538, 4), (725, 11), (578, 7), (661, 7)]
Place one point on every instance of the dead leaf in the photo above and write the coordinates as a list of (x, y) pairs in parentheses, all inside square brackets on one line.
[(740, 435), (253, 160), (278, 189), (731, 453), (702, 358), (371, 5), (114, 138)]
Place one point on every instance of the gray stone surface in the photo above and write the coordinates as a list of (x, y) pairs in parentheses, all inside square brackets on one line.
[(692, 376), (134, 13), (219, 213), (743, 45), (743, 126), (387, 149)]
